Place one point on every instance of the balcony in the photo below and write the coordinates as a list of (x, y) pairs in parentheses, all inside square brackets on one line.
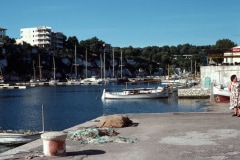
[(44, 38), (43, 42), (44, 33)]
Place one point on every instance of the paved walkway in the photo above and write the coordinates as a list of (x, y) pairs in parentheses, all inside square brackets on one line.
[(166, 136)]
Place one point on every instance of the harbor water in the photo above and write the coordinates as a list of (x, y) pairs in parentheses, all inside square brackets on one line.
[(67, 106)]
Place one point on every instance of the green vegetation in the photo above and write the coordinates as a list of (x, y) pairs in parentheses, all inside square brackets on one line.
[(21, 58)]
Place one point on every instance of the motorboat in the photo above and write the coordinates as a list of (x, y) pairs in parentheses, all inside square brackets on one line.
[(53, 82), (8, 86), (221, 93), (94, 80), (137, 93), (73, 81), (89, 81), (17, 138), (108, 81)]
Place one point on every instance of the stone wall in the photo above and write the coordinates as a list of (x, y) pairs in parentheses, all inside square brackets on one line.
[(194, 93), (217, 74)]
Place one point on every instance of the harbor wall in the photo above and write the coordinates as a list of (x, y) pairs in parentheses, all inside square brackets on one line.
[(194, 93), (217, 74)]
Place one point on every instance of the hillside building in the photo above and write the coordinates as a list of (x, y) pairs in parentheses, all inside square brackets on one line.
[(2, 34), (41, 36), (232, 57)]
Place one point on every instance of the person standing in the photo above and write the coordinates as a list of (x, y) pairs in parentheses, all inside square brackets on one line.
[(234, 88)]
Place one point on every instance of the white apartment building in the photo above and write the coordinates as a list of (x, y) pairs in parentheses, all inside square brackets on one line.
[(232, 57), (42, 36)]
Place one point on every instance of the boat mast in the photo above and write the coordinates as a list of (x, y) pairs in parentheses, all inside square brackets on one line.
[(34, 72), (101, 64), (75, 61), (40, 67), (113, 62), (121, 63), (43, 128), (104, 61), (86, 62), (54, 69), (168, 72)]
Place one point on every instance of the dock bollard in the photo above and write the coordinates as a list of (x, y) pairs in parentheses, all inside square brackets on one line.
[(54, 143)]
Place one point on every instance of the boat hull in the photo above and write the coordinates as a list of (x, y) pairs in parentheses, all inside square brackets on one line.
[(221, 99), (221, 95), (16, 139), (143, 94)]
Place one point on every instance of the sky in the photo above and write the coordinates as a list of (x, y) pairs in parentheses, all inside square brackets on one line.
[(124, 23)]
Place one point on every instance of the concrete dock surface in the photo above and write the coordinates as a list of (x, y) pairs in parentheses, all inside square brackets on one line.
[(212, 135)]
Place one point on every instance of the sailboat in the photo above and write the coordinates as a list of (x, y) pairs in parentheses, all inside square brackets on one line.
[(34, 74), (109, 80), (94, 80), (1, 76), (34, 81), (73, 80), (122, 79), (53, 81)]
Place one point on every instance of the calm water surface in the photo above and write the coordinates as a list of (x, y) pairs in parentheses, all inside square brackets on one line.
[(66, 106)]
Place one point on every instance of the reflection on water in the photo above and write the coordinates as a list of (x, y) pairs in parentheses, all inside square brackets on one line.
[(135, 106), (195, 104)]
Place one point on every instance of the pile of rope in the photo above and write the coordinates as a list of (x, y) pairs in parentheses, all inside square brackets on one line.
[(98, 135)]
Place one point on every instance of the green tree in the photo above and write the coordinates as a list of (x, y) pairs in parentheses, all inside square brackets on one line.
[(224, 44), (71, 42), (93, 45), (8, 41)]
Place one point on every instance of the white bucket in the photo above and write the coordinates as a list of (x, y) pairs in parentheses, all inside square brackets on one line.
[(54, 143)]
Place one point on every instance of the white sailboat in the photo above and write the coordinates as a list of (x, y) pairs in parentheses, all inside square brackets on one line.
[(73, 80), (109, 80), (33, 79), (121, 79), (53, 81), (94, 80), (40, 80)]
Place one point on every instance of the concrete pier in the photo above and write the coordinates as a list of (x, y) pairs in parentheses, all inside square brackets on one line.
[(167, 136)]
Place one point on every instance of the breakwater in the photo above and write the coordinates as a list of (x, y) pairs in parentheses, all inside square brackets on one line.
[(194, 93)]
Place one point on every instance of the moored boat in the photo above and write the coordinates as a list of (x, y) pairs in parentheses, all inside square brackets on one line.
[(17, 138), (53, 82), (137, 93), (73, 81), (91, 81), (8, 86), (221, 93)]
